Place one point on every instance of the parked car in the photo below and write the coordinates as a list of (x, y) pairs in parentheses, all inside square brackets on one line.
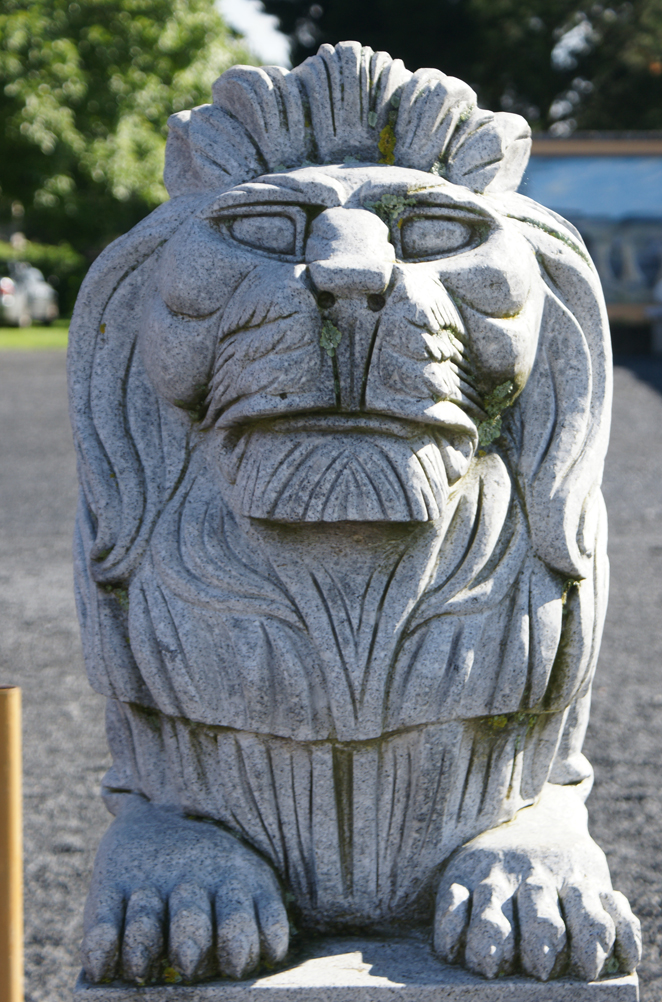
[(26, 297)]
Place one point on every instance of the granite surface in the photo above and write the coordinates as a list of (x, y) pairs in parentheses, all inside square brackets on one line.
[(360, 970), (65, 753), (341, 409)]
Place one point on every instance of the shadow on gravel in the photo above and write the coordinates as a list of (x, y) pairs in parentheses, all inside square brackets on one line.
[(648, 368)]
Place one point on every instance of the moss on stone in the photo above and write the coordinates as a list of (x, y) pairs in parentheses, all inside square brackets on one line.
[(493, 405), (120, 594), (390, 207), (386, 145), (330, 338)]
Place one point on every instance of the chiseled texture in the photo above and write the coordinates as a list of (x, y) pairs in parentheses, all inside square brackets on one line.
[(341, 408), (65, 751)]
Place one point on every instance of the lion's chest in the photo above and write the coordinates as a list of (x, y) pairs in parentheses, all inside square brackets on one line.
[(318, 634)]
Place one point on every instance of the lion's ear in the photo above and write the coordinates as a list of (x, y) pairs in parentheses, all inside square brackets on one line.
[(489, 152), (131, 447), (180, 175)]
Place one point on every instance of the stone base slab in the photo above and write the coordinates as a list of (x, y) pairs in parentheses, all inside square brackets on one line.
[(353, 969)]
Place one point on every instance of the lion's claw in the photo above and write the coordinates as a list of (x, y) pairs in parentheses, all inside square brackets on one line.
[(542, 929), (191, 930), (144, 908), (534, 895)]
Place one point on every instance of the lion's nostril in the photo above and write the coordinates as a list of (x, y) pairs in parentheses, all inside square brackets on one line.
[(325, 300), (376, 303)]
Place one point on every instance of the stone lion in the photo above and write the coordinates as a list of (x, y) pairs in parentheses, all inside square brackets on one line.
[(341, 407)]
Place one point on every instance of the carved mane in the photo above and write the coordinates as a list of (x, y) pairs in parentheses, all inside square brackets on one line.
[(345, 102)]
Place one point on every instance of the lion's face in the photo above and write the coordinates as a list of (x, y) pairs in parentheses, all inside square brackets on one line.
[(347, 328)]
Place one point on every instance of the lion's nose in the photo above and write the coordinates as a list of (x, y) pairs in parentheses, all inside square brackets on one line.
[(348, 253)]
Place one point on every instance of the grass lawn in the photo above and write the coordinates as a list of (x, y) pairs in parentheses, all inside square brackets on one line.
[(53, 338)]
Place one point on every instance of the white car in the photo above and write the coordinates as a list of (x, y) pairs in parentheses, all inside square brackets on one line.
[(26, 297)]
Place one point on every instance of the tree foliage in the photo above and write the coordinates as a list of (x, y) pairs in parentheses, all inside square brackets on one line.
[(86, 89), (563, 64)]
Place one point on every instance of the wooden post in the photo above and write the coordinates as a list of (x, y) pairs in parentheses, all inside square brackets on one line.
[(11, 847)]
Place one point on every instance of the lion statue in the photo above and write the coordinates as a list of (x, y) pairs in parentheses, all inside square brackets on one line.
[(341, 408)]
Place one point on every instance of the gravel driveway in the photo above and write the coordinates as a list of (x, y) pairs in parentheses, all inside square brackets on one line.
[(65, 752)]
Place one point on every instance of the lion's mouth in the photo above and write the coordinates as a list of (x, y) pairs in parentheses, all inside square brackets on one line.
[(324, 467), (446, 417), (349, 423)]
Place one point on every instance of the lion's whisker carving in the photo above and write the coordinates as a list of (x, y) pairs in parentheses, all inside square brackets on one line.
[(341, 416)]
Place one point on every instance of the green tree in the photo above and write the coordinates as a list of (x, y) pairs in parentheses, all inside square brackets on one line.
[(622, 65), (86, 89), (563, 64)]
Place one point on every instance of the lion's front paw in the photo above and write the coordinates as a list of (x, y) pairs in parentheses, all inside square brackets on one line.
[(168, 888), (535, 895)]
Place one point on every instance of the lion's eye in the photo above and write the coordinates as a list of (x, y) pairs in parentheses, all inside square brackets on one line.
[(269, 233), (430, 236)]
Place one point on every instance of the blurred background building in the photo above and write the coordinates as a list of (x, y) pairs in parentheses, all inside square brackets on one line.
[(610, 186)]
